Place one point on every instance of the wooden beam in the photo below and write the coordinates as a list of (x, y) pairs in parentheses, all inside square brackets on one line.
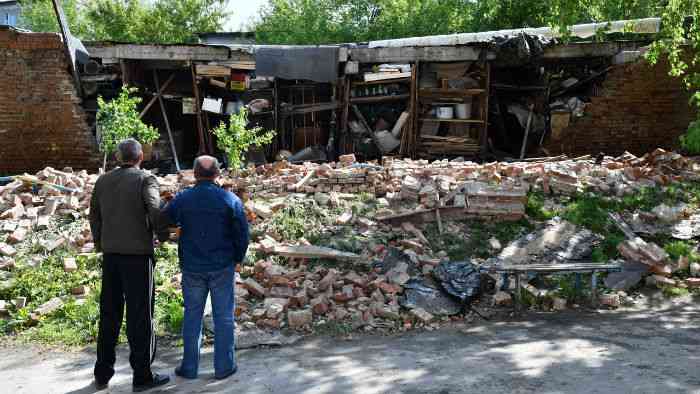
[(159, 92), (589, 49), (167, 121), (198, 113), (213, 70), (411, 54), (158, 52)]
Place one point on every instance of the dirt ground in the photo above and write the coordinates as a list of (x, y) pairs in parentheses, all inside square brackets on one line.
[(650, 348)]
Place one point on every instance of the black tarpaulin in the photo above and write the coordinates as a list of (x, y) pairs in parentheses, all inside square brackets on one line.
[(319, 64)]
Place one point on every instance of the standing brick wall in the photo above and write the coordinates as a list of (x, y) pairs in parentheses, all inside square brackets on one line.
[(637, 109), (41, 120)]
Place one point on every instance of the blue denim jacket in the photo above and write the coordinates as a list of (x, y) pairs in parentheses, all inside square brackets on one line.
[(214, 229)]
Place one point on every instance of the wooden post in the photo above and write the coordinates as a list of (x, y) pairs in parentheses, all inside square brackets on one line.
[(165, 117), (198, 112), (483, 138), (527, 131)]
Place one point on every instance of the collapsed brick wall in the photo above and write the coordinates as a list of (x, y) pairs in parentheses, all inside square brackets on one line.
[(637, 108), (41, 120)]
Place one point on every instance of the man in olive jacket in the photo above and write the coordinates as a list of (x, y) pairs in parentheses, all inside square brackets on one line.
[(123, 216)]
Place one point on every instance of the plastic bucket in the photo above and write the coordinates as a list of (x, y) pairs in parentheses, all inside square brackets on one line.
[(464, 111)]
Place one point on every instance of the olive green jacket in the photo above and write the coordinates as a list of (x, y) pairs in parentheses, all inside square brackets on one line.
[(124, 211)]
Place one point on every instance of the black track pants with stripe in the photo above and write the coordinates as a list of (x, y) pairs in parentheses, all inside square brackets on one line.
[(126, 279)]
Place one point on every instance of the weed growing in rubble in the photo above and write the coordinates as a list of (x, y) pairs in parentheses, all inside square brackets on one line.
[(474, 240), (76, 323), (534, 207), (675, 291), (677, 249)]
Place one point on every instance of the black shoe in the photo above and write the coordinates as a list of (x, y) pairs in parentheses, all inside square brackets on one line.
[(157, 380), (99, 386), (178, 372), (233, 371)]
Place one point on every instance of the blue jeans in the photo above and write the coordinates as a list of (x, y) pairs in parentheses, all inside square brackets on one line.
[(195, 287)]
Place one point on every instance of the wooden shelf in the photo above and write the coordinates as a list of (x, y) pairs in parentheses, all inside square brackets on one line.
[(452, 93), (476, 121), (385, 81), (378, 99)]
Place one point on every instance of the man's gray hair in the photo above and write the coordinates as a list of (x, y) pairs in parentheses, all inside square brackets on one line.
[(206, 167), (129, 150)]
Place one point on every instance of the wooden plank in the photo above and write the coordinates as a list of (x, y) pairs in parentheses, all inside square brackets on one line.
[(379, 99), (202, 149), (411, 54), (313, 252), (541, 268), (452, 93), (240, 65), (373, 77), (484, 133), (585, 49), (527, 131), (386, 81), (213, 70), (475, 121), (400, 123), (159, 52)]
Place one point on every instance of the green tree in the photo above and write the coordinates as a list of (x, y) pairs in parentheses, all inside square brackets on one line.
[(140, 21), (116, 20), (236, 138), (119, 119), (39, 15), (679, 44)]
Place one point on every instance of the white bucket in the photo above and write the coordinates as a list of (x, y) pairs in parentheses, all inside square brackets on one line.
[(445, 112), (464, 111)]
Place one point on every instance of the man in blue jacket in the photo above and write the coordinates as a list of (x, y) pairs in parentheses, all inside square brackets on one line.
[(213, 240)]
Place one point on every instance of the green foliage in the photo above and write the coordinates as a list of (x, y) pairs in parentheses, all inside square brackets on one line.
[(675, 291), (589, 211), (473, 242), (335, 21), (677, 249), (39, 15), (74, 324), (139, 21), (534, 208), (691, 140), (236, 138), (119, 119), (679, 45)]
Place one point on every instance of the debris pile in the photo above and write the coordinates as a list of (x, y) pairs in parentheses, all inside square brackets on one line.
[(388, 272)]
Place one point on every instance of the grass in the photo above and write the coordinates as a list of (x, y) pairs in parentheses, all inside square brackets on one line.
[(474, 241), (76, 322)]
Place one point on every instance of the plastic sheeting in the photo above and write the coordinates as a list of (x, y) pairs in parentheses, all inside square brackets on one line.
[(460, 279), (319, 64), (421, 294)]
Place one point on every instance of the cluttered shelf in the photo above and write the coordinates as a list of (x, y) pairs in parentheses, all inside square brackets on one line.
[(377, 99)]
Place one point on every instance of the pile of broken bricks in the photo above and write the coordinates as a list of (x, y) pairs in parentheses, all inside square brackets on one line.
[(415, 192)]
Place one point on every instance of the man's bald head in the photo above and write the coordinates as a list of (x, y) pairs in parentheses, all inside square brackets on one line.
[(206, 168)]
